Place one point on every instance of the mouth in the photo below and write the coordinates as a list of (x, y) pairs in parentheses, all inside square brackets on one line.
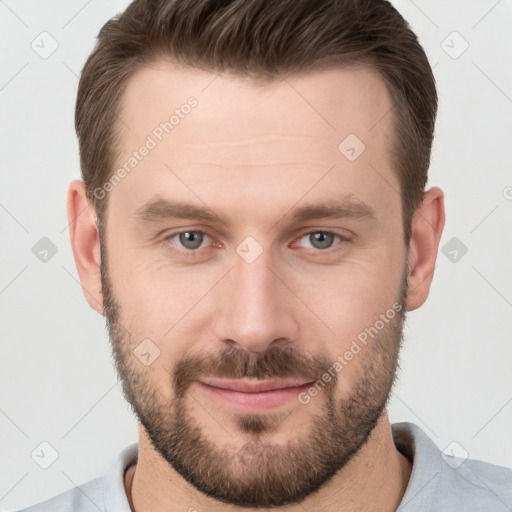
[(252, 395)]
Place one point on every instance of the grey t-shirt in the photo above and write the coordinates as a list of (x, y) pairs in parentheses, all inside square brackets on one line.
[(438, 483)]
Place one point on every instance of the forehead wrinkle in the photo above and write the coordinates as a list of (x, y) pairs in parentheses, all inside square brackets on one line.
[(254, 140), (234, 165)]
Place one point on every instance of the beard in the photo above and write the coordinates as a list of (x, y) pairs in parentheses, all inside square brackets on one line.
[(250, 470)]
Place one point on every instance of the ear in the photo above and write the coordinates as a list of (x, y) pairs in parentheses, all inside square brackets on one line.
[(427, 227), (85, 242)]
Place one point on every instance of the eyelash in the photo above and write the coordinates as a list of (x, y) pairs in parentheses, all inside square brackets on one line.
[(320, 251)]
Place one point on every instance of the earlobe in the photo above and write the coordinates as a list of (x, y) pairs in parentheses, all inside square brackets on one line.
[(427, 227), (84, 236)]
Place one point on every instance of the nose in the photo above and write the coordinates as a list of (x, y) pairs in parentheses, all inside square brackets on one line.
[(254, 308)]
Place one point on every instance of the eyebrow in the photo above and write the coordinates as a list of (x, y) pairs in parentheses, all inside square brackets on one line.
[(162, 209)]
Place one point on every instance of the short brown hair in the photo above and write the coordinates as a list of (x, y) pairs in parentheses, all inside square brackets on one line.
[(260, 40)]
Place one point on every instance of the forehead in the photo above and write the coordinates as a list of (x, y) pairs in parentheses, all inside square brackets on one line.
[(327, 102), (223, 130)]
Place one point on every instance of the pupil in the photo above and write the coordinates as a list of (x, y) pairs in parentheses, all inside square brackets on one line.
[(190, 240), (322, 240)]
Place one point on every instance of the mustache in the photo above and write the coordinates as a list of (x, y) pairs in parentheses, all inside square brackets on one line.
[(231, 363)]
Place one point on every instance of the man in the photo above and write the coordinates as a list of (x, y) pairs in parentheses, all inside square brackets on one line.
[(253, 223)]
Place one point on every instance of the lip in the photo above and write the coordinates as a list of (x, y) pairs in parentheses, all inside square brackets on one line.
[(253, 396), (247, 386)]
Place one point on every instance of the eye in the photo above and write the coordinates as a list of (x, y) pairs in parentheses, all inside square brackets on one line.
[(194, 240), (321, 239), (189, 240)]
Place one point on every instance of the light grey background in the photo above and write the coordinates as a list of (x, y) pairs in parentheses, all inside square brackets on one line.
[(57, 380)]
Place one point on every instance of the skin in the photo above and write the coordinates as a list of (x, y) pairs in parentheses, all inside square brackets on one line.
[(251, 154)]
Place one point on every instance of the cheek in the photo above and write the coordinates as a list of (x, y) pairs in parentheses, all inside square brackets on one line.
[(351, 296), (166, 305), (356, 300), (152, 292)]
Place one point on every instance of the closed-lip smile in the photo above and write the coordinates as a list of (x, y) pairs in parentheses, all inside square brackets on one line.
[(253, 386)]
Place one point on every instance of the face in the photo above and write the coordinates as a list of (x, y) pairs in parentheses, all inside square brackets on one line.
[(248, 246)]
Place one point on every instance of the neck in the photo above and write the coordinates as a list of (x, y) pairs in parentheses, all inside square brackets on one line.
[(375, 479)]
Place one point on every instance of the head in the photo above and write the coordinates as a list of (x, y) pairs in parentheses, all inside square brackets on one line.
[(254, 207)]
